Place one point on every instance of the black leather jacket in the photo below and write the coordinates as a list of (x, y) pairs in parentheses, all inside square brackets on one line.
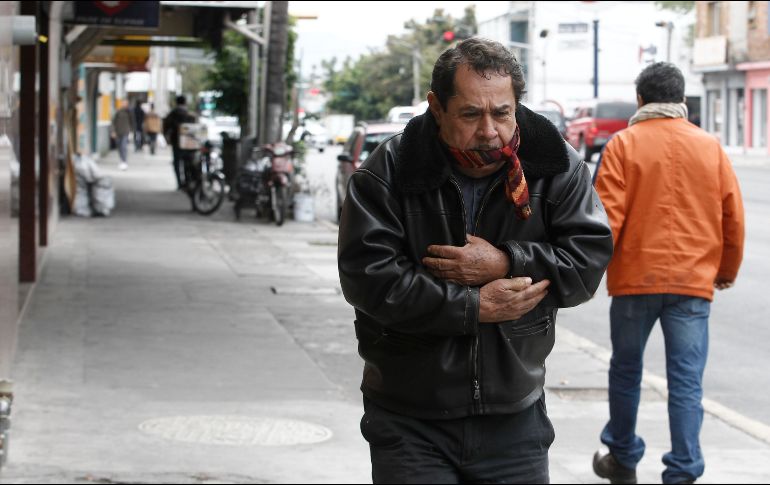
[(425, 353)]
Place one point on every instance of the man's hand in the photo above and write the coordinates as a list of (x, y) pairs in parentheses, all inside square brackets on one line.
[(475, 264), (509, 299), (723, 283)]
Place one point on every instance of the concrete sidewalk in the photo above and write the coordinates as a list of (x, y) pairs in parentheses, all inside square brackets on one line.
[(165, 347)]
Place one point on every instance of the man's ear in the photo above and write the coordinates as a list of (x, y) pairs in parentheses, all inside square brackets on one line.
[(435, 107), (639, 101)]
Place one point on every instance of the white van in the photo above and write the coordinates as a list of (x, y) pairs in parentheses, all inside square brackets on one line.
[(402, 114)]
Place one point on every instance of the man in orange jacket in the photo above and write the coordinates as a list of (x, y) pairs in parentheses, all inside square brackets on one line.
[(676, 214)]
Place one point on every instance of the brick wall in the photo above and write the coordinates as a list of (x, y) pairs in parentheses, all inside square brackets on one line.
[(758, 37), (702, 19)]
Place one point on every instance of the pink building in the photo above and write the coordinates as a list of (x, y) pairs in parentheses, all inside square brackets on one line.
[(757, 106), (732, 52)]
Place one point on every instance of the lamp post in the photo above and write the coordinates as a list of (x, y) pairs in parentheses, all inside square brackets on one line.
[(544, 35), (669, 27)]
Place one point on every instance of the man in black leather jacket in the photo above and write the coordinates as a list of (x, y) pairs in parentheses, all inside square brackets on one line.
[(459, 239)]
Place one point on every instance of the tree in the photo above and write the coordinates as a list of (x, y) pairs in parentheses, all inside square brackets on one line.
[(230, 76), (230, 73), (370, 86), (276, 71), (678, 7)]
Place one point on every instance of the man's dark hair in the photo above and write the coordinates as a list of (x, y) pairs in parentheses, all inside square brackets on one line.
[(181, 101), (482, 56), (661, 82)]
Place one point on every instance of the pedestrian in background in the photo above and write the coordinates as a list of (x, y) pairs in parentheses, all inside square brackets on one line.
[(152, 126), (676, 213), (139, 123), (171, 123), (458, 241), (122, 127)]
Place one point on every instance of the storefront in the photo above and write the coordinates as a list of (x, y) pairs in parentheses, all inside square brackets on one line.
[(724, 107), (757, 106)]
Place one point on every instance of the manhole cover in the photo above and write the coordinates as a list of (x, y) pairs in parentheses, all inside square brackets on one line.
[(236, 430)]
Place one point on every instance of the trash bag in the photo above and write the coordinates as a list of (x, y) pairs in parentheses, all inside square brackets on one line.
[(102, 196), (82, 205), (95, 194)]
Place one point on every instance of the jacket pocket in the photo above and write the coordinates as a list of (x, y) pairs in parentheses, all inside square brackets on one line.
[(384, 340), (535, 323)]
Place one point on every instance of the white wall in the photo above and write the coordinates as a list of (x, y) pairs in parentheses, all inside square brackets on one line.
[(624, 27)]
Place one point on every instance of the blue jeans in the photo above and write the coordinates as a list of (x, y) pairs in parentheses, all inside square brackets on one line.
[(684, 321), (123, 147)]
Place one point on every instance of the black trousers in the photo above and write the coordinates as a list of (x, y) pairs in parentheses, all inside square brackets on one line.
[(510, 448), (178, 166)]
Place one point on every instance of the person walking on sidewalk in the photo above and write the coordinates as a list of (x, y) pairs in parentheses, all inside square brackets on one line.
[(458, 241), (122, 127), (677, 222), (171, 123), (139, 123), (152, 125)]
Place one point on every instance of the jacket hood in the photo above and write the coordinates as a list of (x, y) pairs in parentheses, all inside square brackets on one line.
[(421, 164)]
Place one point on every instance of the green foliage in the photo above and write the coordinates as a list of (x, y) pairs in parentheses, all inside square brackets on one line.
[(230, 75), (678, 7), (370, 86), (291, 74), (194, 80)]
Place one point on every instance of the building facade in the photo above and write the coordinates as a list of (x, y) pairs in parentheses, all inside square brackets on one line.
[(555, 42), (732, 52)]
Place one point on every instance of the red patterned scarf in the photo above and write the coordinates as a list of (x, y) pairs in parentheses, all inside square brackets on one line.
[(516, 185)]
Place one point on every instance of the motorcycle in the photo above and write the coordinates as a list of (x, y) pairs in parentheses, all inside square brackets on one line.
[(265, 182), (205, 182)]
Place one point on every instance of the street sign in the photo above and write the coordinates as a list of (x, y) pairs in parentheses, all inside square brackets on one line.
[(117, 14)]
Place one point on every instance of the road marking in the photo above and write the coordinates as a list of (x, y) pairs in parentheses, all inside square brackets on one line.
[(733, 418)]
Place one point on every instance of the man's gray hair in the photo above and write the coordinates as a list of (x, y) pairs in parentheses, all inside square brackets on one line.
[(483, 56)]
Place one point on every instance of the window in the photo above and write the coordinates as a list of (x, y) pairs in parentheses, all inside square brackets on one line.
[(616, 111), (714, 18), (759, 118), (714, 103), (751, 16)]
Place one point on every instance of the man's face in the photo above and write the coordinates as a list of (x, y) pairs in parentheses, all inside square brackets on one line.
[(481, 114)]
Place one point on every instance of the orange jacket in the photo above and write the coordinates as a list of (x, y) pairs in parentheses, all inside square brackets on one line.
[(675, 210)]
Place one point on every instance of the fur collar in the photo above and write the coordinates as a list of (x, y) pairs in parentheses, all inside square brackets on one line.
[(421, 164)]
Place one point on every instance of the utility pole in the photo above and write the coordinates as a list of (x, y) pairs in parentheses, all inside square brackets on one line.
[(276, 71), (253, 111), (596, 58), (669, 27), (416, 75)]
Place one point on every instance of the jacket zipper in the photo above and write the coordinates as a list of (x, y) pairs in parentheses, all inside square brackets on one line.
[(484, 203), (475, 385), (476, 340)]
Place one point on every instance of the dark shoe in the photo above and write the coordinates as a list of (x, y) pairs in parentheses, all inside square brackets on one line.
[(606, 466)]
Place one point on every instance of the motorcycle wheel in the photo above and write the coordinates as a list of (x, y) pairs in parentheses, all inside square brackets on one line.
[(208, 196), (280, 205)]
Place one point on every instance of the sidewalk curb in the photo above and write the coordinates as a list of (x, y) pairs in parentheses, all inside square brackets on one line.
[(729, 416)]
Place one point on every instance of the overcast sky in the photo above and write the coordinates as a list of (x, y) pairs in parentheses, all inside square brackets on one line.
[(350, 28)]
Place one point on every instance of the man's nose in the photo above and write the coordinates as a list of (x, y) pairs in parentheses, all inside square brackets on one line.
[(486, 130)]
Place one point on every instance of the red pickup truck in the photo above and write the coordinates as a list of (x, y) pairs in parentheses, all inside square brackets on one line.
[(595, 122)]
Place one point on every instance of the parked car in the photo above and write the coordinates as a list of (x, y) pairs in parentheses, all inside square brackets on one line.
[(556, 117), (218, 124), (595, 122), (360, 143)]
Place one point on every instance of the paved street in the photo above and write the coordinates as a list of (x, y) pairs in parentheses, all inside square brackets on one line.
[(166, 347)]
